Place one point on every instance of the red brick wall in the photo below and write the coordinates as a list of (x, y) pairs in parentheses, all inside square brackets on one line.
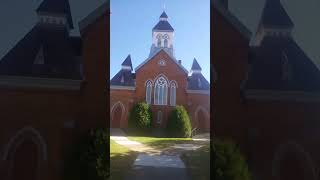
[(150, 71), (230, 53)]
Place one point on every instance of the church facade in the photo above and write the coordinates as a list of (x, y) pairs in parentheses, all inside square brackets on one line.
[(161, 81)]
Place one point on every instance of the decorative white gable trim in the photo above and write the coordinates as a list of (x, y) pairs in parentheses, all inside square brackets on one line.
[(123, 87), (171, 57), (198, 92), (274, 95), (35, 82)]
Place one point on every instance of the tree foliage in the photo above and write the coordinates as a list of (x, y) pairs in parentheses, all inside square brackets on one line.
[(229, 163), (89, 157), (179, 124), (140, 116)]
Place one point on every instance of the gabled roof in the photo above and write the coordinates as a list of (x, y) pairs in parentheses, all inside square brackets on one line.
[(123, 78), (60, 53), (163, 26), (56, 6), (195, 65), (93, 16), (127, 62), (274, 15), (157, 52), (197, 82), (232, 19), (267, 67)]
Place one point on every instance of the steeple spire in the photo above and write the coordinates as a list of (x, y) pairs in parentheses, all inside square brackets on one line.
[(127, 65), (195, 67), (274, 22), (55, 12)]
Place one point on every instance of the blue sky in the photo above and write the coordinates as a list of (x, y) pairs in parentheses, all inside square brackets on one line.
[(131, 27)]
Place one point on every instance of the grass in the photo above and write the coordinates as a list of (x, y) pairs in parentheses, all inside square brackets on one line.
[(121, 160), (160, 143), (198, 163)]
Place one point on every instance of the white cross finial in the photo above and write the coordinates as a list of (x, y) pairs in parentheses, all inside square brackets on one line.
[(164, 5)]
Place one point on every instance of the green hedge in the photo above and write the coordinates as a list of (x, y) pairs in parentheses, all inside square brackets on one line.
[(229, 163), (179, 124), (140, 117)]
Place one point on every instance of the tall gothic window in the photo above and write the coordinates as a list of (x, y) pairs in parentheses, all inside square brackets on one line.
[(160, 91), (165, 42), (286, 74), (159, 42), (173, 88), (148, 92)]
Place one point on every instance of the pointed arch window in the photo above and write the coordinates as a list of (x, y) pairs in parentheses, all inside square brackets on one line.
[(160, 91), (173, 88), (165, 42), (148, 92), (159, 42)]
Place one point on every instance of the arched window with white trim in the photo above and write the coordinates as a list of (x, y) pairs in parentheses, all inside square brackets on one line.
[(173, 88), (148, 92), (160, 91), (165, 43)]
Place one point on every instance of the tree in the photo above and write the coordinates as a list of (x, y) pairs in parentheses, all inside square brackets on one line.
[(229, 163), (140, 117), (179, 123)]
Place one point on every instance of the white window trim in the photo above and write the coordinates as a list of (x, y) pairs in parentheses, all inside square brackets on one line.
[(165, 92), (173, 102), (149, 84)]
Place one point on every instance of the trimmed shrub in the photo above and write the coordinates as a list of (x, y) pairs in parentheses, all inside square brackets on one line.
[(89, 157), (140, 117), (228, 162), (179, 124)]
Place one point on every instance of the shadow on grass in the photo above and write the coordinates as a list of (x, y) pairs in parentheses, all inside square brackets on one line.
[(121, 161), (198, 163)]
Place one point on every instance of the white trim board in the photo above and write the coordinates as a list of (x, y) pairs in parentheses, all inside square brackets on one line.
[(131, 88)]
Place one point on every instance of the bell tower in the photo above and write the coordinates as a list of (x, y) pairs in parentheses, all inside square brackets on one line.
[(162, 36)]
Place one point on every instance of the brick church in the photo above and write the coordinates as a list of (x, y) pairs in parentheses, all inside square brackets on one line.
[(266, 97), (161, 81)]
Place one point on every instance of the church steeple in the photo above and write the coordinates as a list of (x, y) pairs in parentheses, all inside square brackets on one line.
[(162, 35), (55, 12), (274, 22), (195, 67)]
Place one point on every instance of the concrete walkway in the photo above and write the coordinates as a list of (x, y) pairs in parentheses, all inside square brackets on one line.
[(155, 164)]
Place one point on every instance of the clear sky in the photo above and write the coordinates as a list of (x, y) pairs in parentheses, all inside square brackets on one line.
[(131, 31)]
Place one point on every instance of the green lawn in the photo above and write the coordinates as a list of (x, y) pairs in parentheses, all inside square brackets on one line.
[(159, 143), (121, 160), (198, 163)]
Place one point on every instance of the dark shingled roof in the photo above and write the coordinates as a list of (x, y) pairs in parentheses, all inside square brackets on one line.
[(197, 82), (60, 53), (163, 26), (274, 15), (126, 76), (164, 15), (195, 65), (266, 64), (56, 6), (127, 62)]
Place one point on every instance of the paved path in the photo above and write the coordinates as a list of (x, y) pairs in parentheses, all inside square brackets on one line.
[(154, 164)]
